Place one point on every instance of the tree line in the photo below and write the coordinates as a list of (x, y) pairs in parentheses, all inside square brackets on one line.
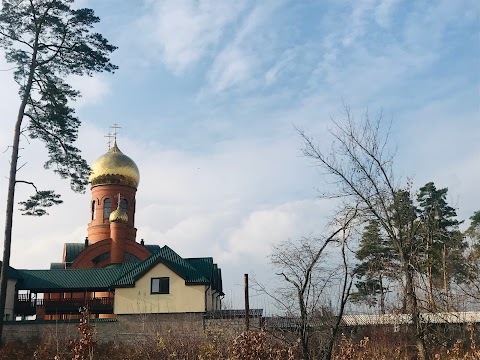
[(409, 253)]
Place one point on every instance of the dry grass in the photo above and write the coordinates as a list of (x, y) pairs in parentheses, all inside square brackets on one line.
[(185, 345)]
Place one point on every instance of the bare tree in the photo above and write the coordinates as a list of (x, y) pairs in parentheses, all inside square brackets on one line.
[(361, 166), (308, 273), (347, 281)]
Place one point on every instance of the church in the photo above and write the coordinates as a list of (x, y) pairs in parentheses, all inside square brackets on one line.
[(110, 271)]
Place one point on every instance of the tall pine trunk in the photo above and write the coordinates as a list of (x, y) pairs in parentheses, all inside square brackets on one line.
[(431, 300), (445, 278), (382, 295), (7, 242)]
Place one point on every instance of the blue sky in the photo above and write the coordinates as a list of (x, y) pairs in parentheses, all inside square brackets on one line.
[(207, 95)]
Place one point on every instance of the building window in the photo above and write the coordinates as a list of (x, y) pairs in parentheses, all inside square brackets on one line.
[(107, 208), (134, 204), (101, 258), (123, 205), (131, 258), (160, 285), (94, 210)]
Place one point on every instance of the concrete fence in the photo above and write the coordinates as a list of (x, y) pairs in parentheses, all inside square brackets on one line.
[(130, 328)]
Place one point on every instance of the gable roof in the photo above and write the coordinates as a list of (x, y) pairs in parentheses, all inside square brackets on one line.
[(202, 265), (209, 270), (172, 260), (194, 271)]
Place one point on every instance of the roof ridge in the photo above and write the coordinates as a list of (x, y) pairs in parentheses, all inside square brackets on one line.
[(168, 257)]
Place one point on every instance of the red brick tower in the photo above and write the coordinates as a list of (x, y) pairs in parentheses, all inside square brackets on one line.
[(112, 234), (112, 173)]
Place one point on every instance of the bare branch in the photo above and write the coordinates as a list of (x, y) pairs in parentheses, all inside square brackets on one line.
[(27, 182)]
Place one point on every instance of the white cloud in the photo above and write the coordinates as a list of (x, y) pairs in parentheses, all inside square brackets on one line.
[(383, 12), (241, 59), (182, 32), (262, 228), (283, 62), (358, 21), (92, 88), (231, 67)]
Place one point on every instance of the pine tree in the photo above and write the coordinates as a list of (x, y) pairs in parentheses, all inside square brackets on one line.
[(473, 230), (47, 40), (375, 269), (473, 257), (441, 242)]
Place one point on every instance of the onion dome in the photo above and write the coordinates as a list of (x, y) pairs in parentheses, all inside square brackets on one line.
[(114, 168), (118, 215)]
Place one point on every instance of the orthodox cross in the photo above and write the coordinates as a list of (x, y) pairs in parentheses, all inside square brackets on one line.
[(119, 200), (109, 136), (115, 127)]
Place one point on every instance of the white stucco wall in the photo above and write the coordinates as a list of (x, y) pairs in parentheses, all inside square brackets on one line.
[(139, 300), (213, 300)]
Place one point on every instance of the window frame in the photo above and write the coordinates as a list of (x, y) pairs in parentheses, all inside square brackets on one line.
[(166, 280), (109, 207), (94, 210), (124, 204)]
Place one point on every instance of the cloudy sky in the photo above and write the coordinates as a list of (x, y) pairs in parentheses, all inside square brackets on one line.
[(208, 94)]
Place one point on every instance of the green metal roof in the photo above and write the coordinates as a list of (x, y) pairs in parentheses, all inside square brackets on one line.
[(72, 250), (209, 270), (194, 271), (71, 279), (171, 259), (152, 248), (202, 265)]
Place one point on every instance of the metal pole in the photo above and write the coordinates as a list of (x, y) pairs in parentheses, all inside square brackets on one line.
[(247, 304)]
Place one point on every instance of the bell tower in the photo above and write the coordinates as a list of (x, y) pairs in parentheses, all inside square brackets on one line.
[(114, 180), (112, 174)]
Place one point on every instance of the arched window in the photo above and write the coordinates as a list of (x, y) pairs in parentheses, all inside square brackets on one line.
[(123, 205), (131, 258), (134, 206), (94, 210), (100, 258), (107, 208)]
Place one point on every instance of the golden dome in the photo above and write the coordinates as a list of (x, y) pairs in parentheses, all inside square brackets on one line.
[(114, 167), (118, 216)]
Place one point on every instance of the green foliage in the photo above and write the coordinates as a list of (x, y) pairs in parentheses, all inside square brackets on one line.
[(440, 240), (376, 266), (47, 40), (42, 199), (473, 230), (427, 236)]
